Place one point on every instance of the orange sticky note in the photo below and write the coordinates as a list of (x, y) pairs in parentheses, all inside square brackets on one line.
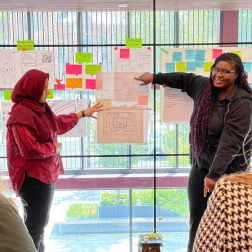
[(74, 83), (143, 100)]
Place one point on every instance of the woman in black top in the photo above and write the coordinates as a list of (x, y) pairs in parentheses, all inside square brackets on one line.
[(218, 125)]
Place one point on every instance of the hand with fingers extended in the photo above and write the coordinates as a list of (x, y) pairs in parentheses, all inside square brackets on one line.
[(90, 110), (146, 78)]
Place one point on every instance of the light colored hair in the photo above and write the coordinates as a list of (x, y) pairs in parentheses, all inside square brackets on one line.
[(241, 178), (5, 187)]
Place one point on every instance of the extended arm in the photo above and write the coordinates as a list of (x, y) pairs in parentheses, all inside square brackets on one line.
[(188, 82)]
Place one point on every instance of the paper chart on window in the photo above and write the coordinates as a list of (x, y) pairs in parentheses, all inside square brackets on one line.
[(65, 107), (138, 60), (121, 89), (122, 126), (59, 107), (14, 64), (176, 106), (192, 60), (6, 108)]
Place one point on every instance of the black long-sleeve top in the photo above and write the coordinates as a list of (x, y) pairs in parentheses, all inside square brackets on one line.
[(230, 122)]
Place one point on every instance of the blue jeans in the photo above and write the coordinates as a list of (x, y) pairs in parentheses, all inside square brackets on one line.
[(38, 197)]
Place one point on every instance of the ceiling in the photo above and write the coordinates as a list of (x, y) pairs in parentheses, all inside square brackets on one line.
[(132, 5)]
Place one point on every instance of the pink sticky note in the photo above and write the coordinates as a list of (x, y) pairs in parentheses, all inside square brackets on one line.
[(216, 53), (73, 69), (143, 100), (124, 53), (60, 87), (90, 84)]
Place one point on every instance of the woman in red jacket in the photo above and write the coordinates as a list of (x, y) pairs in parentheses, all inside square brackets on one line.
[(33, 156)]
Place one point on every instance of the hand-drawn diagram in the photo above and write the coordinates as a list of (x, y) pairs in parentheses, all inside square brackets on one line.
[(59, 108), (15, 64), (65, 107), (127, 89), (6, 108), (120, 126), (121, 87), (139, 61), (176, 106)]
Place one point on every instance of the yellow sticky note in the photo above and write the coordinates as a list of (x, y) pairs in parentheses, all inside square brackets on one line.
[(134, 43), (83, 57), (74, 83), (50, 96), (7, 95), (93, 69), (25, 45), (207, 66), (180, 67), (107, 103), (238, 53)]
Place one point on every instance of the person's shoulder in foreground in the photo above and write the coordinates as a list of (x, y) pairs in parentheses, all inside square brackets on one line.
[(227, 220), (14, 236)]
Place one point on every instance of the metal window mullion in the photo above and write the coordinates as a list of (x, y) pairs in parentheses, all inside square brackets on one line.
[(198, 27), (12, 29), (9, 28), (246, 29), (97, 39), (120, 24), (48, 31), (17, 26), (208, 18), (176, 37), (2, 18), (42, 27), (38, 27), (64, 48)]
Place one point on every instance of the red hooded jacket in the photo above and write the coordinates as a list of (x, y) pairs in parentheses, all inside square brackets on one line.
[(31, 130)]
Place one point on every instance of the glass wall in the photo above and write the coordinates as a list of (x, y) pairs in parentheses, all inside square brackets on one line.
[(112, 193)]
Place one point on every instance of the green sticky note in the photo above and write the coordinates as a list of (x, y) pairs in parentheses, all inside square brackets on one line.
[(7, 95), (180, 66), (207, 66), (83, 57), (50, 96), (238, 53), (25, 45), (134, 43), (162, 49), (93, 69)]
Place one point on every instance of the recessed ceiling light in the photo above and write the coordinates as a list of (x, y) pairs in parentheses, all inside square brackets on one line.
[(122, 5)]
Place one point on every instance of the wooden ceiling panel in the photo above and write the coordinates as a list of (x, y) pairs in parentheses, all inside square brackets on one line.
[(132, 5)]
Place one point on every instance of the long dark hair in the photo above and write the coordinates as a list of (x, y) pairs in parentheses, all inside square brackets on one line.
[(200, 122)]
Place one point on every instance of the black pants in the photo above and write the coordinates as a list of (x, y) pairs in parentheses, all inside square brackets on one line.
[(197, 201), (38, 197)]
